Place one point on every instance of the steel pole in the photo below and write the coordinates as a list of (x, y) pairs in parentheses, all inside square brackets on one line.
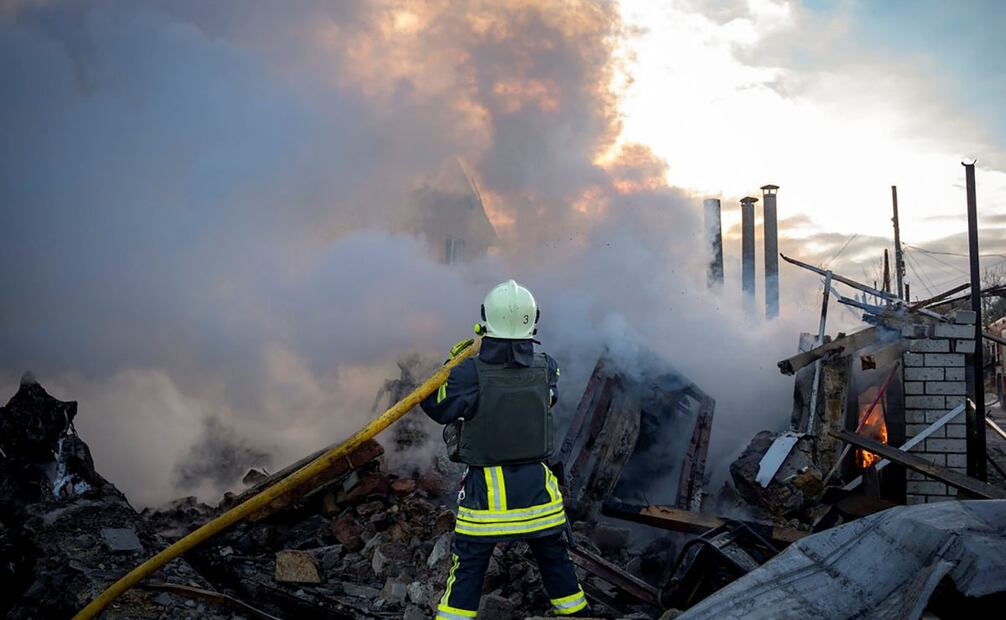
[(975, 426)]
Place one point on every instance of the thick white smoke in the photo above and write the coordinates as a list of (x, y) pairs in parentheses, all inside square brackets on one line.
[(207, 212)]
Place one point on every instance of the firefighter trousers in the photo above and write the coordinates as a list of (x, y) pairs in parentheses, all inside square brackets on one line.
[(468, 568)]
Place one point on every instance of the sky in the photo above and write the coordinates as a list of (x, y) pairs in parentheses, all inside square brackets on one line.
[(206, 207), (834, 102)]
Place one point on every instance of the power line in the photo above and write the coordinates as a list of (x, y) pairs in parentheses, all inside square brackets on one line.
[(911, 265), (842, 249), (942, 262), (954, 280), (915, 247)]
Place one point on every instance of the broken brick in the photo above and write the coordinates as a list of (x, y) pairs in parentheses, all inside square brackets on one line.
[(294, 566), (403, 487), (348, 532)]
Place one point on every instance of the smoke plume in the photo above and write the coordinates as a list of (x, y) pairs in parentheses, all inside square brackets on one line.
[(207, 219)]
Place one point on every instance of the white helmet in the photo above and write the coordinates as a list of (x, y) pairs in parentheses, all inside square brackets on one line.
[(510, 312)]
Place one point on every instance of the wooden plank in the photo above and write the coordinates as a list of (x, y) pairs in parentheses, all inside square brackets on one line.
[(216, 598), (840, 278), (693, 466), (915, 463), (993, 338), (998, 429), (614, 575), (932, 300), (678, 520), (366, 452), (837, 347), (911, 443)]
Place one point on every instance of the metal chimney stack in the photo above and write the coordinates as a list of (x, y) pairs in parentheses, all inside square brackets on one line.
[(714, 237), (771, 251), (748, 252)]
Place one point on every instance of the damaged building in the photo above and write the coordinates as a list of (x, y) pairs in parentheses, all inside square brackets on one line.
[(450, 215), (855, 507)]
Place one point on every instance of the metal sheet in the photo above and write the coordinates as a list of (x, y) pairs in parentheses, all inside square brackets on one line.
[(775, 456), (885, 565)]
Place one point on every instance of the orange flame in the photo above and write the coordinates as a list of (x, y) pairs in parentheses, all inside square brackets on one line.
[(872, 425)]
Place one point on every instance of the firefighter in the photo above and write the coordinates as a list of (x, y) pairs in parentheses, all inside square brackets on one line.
[(497, 410)]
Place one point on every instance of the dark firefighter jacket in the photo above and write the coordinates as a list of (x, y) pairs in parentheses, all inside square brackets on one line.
[(509, 501)]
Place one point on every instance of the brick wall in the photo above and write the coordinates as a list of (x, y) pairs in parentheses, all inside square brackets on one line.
[(934, 384)]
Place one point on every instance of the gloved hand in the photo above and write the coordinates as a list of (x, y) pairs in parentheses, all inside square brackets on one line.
[(459, 347)]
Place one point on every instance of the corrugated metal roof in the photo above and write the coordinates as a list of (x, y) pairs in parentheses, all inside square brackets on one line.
[(885, 565)]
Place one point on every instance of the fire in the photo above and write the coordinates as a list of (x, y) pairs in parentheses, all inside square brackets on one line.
[(872, 425)]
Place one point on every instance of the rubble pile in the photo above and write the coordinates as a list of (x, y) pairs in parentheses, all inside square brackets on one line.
[(370, 535), (792, 493), (66, 532), (362, 543), (378, 546)]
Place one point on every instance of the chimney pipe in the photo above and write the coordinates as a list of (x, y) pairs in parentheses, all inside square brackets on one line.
[(714, 237), (748, 252), (771, 251)]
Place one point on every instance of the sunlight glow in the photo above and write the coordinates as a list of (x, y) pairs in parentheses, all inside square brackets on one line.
[(835, 146)]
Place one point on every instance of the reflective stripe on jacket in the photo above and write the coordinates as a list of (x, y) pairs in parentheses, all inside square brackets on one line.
[(510, 501)]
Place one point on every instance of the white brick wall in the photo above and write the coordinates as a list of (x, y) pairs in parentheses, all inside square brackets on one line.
[(934, 384)]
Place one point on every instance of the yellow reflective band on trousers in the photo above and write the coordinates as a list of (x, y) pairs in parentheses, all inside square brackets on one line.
[(455, 562), (444, 610), (500, 520), (569, 604), (511, 522)]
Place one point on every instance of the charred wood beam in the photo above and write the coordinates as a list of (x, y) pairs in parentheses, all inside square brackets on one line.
[(992, 291), (321, 606), (291, 468), (911, 443), (938, 298), (694, 464), (689, 522), (606, 571), (995, 465), (368, 451), (998, 429), (859, 285), (915, 463), (216, 598), (601, 602), (865, 307), (997, 339), (597, 381), (840, 278), (836, 348), (822, 324)]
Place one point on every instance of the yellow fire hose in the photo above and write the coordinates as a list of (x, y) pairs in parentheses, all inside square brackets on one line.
[(256, 502)]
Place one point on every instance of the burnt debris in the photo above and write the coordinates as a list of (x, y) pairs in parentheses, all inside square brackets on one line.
[(370, 536), (65, 531)]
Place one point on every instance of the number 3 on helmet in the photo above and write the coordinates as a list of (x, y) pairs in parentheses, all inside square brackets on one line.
[(507, 311)]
